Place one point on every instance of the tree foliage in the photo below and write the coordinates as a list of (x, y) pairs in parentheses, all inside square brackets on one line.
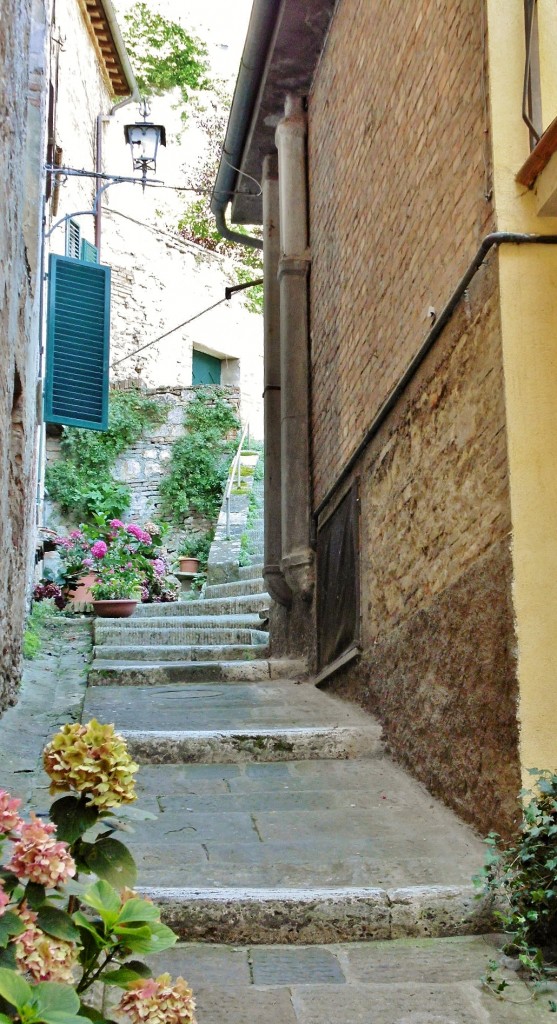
[(163, 55)]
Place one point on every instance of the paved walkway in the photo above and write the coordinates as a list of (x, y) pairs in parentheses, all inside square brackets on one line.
[(288, 846)]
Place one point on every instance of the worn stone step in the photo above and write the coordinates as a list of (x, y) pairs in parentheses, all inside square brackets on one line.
[(428, 981), (232, 746), (158, 673), (179, 652), (236, 588), (323, 915), (249, 620), (213, 606), (251, 572), (179, 634)]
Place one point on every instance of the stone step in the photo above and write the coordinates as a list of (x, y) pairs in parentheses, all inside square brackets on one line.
[(236, 588), (179, 652), (212, 606), (250, 572), (176, 635), (325, 915), (250, 620), (432, 981), (233, 746), (158, 673)]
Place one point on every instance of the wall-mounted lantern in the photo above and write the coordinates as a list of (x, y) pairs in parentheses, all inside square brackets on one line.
[(144, 139)]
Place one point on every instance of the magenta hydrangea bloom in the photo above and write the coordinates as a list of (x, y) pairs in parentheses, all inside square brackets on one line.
[(138, 533), (99, 549), (116, 524)]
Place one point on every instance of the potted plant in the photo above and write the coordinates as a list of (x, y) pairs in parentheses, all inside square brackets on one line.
[(192, 551), (118, 582)]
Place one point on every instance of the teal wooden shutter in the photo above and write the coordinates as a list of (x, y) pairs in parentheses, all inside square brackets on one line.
[(89, 252), (205, 368), (77, 351)]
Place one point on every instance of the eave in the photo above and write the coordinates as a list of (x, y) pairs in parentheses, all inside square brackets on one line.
[(283, 46), (111, 49)]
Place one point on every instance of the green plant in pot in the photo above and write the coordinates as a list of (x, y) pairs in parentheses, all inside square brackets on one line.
[(118, 581), (193, 551)]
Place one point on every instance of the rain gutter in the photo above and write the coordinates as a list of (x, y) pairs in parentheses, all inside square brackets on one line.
[(252, 65)]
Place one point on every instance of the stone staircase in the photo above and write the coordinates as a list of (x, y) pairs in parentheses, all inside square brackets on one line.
[(288, 847)]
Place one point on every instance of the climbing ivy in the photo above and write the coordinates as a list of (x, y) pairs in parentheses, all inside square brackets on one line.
[(81, 481), (163, 55), (200, 458)]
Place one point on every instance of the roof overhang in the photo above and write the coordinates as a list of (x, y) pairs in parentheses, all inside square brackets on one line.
[(283, 46), (110, 45)]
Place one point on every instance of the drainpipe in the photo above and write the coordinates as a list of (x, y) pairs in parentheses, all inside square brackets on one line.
[(272, 573), (297, 555)]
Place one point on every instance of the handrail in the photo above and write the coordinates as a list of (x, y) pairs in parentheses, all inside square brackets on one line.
[(234, 469)]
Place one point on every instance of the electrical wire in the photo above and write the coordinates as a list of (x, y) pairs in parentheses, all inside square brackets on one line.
[(132, 355)]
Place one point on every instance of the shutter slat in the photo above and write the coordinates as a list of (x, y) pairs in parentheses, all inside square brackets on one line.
[(76, 387)]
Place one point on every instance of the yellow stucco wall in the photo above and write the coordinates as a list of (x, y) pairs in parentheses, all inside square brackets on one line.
[(528, 295)]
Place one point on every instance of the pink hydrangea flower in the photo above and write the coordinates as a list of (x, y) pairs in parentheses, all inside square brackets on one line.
[(63, 542), (88, 562), (116, 524), (157, 1001), (43, 957), (10, 820), (99, 549), (159, 566), (76, 535), (138, 533), (39, 857), (4, 899)]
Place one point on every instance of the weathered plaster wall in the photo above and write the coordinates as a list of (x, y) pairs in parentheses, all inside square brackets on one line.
[(158, 282), (22, 60), (400, 182), (83, 92), (528, 282)]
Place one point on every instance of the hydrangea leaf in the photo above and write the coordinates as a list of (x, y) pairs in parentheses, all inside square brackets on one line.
[(10, 924), (72, 818), (57, 923), (14, 989), (113, 862)]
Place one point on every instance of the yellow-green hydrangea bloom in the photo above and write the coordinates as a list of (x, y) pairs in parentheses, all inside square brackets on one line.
[(92, 759)]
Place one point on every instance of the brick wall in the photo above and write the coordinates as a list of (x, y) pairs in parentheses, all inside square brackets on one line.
[(398, 179), (397, 151), (22, 92)]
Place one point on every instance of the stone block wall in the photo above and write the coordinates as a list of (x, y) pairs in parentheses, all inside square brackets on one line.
[(144, 464), (22, 38), (399, 202)]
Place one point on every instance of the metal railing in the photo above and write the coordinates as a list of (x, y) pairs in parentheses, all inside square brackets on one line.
[(234, 474)]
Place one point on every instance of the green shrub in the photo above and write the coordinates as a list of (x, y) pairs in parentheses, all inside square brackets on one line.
[(524, 871), (200, 459), (81, 482)]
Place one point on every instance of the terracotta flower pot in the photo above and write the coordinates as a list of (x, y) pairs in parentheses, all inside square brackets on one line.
[(188, 564), (121, 608), (82, 593)]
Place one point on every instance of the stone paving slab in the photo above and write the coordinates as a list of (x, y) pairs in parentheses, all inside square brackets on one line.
[(303, 823), (51, 693), (278, 704), (431, 981)]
